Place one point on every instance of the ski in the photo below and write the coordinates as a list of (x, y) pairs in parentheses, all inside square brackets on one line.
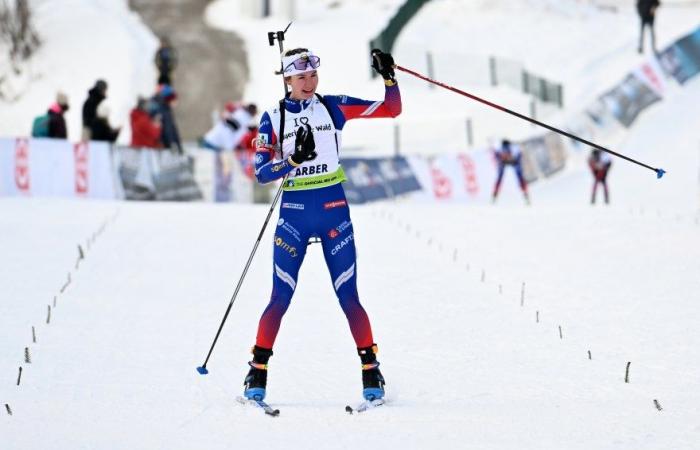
[(269, 410), (364, 406)]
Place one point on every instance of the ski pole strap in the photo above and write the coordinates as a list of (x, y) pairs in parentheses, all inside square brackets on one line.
[(370, 366), (257, 365)]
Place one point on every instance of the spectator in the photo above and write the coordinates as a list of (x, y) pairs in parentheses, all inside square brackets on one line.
[(647, 12), (57, 123), (246, 149), (52, 124), (230, 128), (166, 61), (509, 155), (101, 130), (95, 96), (145, 130), (170, 136), (600, 166)]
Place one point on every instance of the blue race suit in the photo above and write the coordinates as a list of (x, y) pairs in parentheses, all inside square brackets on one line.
[(509, 155), (313, 202)]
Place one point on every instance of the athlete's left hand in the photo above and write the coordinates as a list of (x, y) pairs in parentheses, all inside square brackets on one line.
[(383, 63)]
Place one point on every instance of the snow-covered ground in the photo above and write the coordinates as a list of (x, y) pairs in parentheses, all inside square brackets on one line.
[(472, 359)]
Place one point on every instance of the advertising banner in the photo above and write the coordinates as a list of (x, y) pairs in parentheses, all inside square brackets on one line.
[(681, 60), (148, 174), (543, 156), (56, 168), (371, 179), (460, 177), (629, 98)]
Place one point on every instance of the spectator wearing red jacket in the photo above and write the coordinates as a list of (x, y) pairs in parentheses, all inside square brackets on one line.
[(246, 150), (145, 130)]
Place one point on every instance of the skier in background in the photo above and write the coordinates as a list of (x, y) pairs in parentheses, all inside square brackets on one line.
[(599, 164), (509, 154), (647, 12), (313, 204)]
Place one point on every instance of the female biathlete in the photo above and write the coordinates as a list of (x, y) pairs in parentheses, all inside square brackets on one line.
[(300, 138)]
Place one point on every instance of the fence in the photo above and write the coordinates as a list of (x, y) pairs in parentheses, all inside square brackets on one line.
[(463, 69)]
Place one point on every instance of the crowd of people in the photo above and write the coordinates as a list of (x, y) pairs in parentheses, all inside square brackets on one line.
[(152, 120)]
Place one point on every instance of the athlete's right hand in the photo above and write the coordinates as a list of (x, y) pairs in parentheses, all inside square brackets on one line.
[(304, 146)]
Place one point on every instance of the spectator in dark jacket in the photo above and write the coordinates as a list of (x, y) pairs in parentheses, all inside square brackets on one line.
[(647, 11), (57, 123), (145, 130), (95, 96), (170, 136), (101, 130), (166, 61)]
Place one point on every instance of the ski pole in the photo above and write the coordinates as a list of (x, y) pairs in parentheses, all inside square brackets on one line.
[(271, 36), (203, 368), (659, 172)]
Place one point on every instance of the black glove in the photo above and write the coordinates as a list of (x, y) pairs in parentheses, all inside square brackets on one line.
[(383, 63), (304, 146)]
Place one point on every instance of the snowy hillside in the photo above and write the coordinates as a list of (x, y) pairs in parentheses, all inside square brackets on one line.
[(586, 48), (82, 42)]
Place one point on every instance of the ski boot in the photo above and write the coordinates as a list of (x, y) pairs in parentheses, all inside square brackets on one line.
[(256, 380), (372, 379)]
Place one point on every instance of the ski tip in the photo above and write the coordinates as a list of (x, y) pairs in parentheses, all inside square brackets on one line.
[(202, 370), (348, 409), (660, 173)]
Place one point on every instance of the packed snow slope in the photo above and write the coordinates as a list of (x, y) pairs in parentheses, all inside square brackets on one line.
[(485, 317), (473, 358)]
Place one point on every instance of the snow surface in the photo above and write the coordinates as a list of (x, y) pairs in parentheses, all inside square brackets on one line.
[(471, 359), (466, 361)]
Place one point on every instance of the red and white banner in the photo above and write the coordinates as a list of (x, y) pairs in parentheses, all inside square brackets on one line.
[(460, 177), (56, 168)]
